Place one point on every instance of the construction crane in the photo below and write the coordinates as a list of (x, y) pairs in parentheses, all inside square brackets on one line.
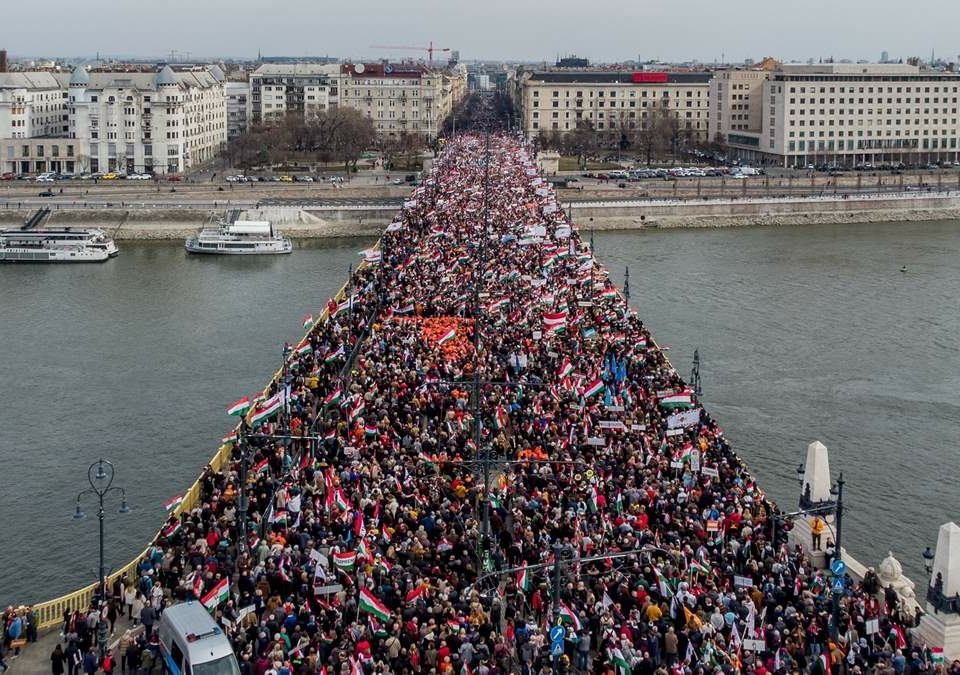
[(429, 50)]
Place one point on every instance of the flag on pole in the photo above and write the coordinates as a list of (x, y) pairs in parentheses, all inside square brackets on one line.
[(333, 397), (446, 337), (569, 616), (662, 585), (267, 409), (523, 578), (217, 594), (173, 503), (334, 354), (592, 500), (340, 500), (304, 348), (594, 387), (239, 407), (416, 593), (370, 605), (346, 561), (566, 368), (307, 321), (678, 400), (229, 439), (173, 530)]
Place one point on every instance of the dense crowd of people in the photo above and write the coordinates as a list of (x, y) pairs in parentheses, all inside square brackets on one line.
[(372, 543)]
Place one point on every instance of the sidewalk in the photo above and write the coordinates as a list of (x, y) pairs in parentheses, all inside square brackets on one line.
[(34, 659)]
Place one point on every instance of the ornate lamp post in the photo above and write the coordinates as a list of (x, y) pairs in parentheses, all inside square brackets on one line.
[(100, 474)]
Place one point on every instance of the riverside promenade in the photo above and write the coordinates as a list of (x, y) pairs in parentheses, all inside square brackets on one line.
[(479, 439)]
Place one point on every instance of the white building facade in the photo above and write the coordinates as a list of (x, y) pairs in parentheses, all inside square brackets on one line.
[(843, 115), (238, 104), (162, 123)]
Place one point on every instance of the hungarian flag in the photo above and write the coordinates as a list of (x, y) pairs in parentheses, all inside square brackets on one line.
[(446, 337), (566, 368), (619, 661), (173, 503), (267, 409), (345, 562), (679, 400), (609, 294), (197, 584), (554, 320), (594, 387), (262, 465), (700, 563), (229, 439), (217, 594), (340, 500), (333, 397), (523, 578), (592, 501), (304, 348), (662, 585), (334, 354), (500, 419), (239, 407), (357, 408), (307, 321), (369, 430), (568, 615), (330, 436), (897, 633), (416, 593), (370, 605), (825, 662), (173, 530)]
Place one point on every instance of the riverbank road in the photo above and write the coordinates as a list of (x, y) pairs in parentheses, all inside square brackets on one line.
[(34, 658)]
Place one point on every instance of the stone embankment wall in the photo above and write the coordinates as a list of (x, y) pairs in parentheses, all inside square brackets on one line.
[(307, 222)]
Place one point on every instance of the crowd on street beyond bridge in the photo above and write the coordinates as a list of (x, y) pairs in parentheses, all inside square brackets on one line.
[(366, 548)]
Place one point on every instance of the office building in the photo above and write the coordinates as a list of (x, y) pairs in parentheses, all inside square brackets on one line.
[(838, 115), (281, 89), (560, 100)]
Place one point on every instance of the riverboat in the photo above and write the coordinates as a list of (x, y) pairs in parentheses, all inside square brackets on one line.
[(56, 245), (242, 237)]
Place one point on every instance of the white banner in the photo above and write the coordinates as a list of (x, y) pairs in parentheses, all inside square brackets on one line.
[(684, 418)]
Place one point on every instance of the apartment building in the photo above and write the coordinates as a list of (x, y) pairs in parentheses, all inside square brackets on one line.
[(560, 100), (238, 104), (839, 114), (32, 105), (163, 122), (280, 89), (402, 98)]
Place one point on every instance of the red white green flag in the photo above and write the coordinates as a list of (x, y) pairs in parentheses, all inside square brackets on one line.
[(267, 409), (346, 561), (334, 354), (594, 387), (173, 503), (239, 407), (217, 594), (523, 579), (341, 500), (678, 400), (446, 337), (229, 439), (370, 605), (173, 530), (569, 616), (304, 348), (566, 368), (307, 321), (333, 397)]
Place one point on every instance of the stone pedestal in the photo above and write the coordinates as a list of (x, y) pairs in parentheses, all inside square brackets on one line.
[(548, 162), (940, 630), (816, 475), (937, 627)]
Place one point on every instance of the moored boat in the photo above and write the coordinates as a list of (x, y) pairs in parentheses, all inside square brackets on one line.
[(56, 245), (243, 237)]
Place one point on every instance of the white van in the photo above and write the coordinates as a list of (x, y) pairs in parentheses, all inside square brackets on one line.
[(748, 171), (191, 642)]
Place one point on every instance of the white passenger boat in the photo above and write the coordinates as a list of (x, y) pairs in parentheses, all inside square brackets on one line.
[(243, 237), (56, 245)]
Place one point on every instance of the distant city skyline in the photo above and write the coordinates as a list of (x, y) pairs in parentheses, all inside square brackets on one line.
[(535, 30)]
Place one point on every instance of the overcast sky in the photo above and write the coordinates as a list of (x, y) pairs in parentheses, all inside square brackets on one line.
[(610, 30)]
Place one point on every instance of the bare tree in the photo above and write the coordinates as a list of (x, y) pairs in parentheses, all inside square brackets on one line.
[(654, 135)]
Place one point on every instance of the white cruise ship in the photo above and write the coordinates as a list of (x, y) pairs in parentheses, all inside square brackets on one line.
[(56, 245), (243, 237)]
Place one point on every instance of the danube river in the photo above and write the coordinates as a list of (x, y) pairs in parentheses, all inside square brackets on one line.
[(804, 332)]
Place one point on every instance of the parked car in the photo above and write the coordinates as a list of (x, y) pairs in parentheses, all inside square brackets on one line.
[(286, 179), (304, 179), (174, 178), (44, 179), (9, 175), (110, 176)]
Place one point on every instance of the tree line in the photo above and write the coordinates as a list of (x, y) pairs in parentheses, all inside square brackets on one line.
[(657, 134), (339, 134)]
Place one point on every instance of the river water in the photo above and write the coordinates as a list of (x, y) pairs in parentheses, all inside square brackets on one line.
[(804, 332)]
